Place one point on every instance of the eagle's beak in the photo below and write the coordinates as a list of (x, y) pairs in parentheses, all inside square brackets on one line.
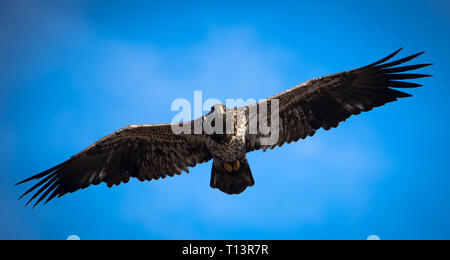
[(222, 111)]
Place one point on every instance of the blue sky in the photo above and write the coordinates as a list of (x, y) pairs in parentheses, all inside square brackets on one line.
[(73, 71)]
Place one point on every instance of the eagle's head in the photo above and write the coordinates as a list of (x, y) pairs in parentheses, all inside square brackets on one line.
[(218, 116), (219, 108), (218, 112)]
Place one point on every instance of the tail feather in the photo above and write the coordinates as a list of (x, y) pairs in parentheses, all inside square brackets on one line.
[(234, 182)]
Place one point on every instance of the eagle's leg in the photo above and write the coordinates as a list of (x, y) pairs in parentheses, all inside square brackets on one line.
[(228, 167), (231, 177), (237, 165)]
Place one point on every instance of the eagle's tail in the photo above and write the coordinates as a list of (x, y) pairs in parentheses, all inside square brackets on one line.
[(231, 177)]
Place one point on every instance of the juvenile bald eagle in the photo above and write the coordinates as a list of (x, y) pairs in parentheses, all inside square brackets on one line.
[(149, 152)]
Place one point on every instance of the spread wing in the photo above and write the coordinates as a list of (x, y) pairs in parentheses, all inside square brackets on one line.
[(144, 152), (325, 102)]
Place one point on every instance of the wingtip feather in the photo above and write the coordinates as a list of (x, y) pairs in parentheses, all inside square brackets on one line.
[(390, 56)]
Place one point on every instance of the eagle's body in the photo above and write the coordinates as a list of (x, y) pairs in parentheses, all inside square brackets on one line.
[(149, 152), (230, 171), (229, 147)]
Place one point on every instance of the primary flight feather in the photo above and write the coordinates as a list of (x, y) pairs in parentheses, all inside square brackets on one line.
[(149, 152)]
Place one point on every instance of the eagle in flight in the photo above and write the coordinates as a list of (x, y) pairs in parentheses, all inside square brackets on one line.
[(149, 152)]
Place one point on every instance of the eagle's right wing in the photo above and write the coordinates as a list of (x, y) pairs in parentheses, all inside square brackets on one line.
[(326, 101), (145, 152)]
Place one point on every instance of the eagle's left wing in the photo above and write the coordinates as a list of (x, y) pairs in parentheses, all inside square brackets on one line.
[(145, 152), (325, 102)]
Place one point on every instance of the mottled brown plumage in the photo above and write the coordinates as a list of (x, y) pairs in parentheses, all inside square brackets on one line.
[(149, 152)]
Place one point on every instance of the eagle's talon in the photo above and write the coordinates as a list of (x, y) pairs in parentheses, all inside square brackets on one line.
[(228, 167), (237, 165)]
